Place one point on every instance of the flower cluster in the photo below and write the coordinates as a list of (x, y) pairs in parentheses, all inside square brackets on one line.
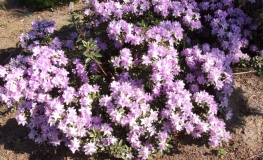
[(158, 68), (41, 29), (124, 29)]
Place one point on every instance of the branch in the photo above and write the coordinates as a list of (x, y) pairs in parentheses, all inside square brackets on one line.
[(238, 73), (101, 68), (84, 38), (79, 30)]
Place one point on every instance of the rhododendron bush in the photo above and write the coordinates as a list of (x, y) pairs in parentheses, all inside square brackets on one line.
[(133, 74)]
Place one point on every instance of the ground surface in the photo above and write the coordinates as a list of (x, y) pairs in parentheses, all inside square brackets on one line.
[(247, 102)]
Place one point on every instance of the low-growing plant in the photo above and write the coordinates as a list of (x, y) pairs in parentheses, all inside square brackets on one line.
[(2, 23), (257, 62), (43, 4), (3, 6), (133, 74), (221, 153), (234, 146), (260, 73)]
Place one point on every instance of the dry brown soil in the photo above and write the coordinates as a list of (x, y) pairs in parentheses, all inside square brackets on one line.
[(247, 102)]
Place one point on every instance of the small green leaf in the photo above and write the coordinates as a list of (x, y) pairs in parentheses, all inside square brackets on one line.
[(84, 43), (87, 60), (169, 146), (80, 47), (221, 152), (79, 39), (3, 6), (234, 146), (96, 54), (91, 134), (120, 143), (93, 46), (86, 53)]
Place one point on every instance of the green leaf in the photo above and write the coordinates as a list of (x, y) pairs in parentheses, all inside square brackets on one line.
[(4, 6), (143, 23), (96, 54), (84, 43), (79, 39), (86, 53), (169, 146), (221, 152), (90, 40), (120, 143), (91, 134), (77, 20), (87, 60), (80, 47), (92, 47)]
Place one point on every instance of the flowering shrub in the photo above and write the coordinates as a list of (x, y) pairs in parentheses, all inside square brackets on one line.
[(133, 74), (40, 4)]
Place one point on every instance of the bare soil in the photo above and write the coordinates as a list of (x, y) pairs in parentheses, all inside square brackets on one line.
[(247, 102)]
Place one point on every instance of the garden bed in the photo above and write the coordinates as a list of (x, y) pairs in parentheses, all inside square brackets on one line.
[(246, 126)]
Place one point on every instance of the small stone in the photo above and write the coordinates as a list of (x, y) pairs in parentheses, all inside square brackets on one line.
[(71, 6)]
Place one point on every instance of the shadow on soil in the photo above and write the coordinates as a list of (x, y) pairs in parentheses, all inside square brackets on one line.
[(7, 54), (14, 137), (241, 109)]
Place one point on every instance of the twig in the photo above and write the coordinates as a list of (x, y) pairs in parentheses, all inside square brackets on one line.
[(100, 67), (18, 10), (80, 32), (238, 73), (84, 38)]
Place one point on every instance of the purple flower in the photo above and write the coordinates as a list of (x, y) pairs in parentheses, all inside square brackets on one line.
[(70, 44), (188, 127), (74, 145), (90, 148), (87, 12), (21, 119), (68, 94), (144, 152)]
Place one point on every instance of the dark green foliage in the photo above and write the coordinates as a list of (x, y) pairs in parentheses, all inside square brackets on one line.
[(43, 4), (255, 10)]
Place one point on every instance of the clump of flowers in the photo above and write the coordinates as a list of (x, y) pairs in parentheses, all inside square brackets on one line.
[(133, 74)]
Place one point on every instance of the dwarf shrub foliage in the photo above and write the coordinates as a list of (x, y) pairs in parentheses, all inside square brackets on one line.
[(43, 4)]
